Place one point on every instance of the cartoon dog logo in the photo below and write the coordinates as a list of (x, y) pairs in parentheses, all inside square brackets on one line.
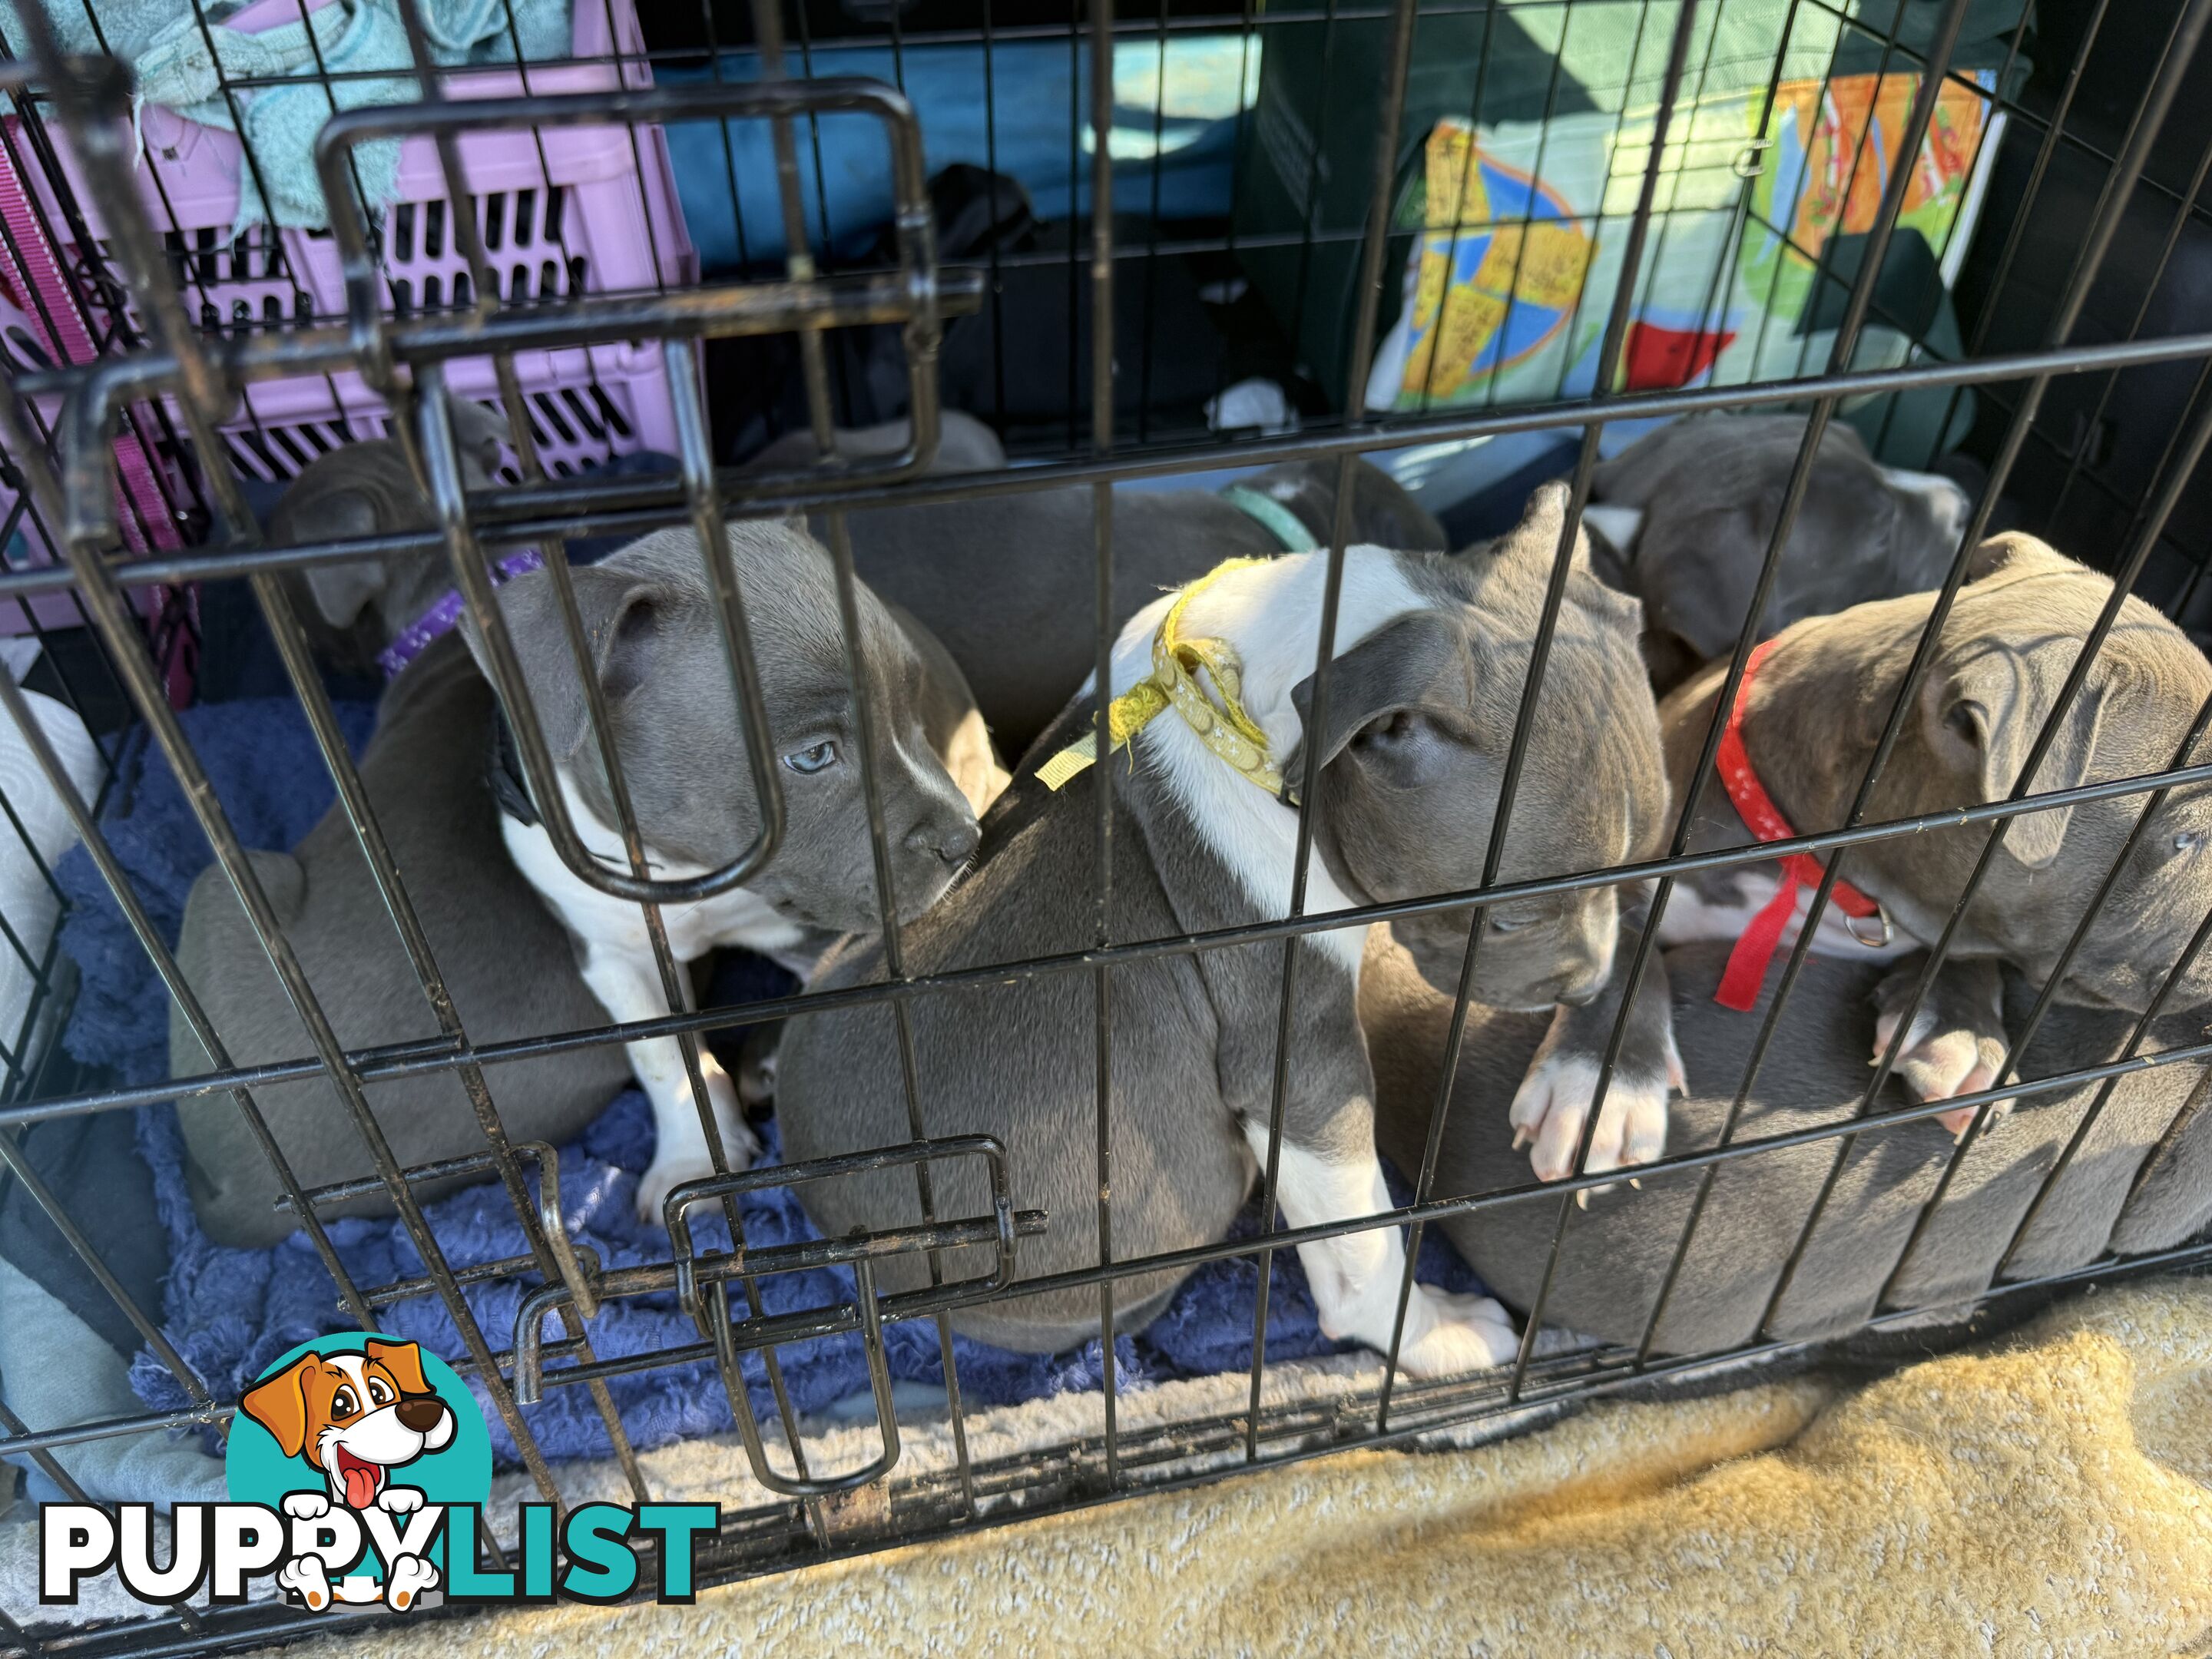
[(355, 1418)]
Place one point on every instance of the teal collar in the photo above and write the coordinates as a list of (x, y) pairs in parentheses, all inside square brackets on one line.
[(1277, 519)]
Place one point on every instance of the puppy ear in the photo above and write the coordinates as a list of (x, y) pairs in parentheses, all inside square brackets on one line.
[(340, 592), (1986, 714), (2016, 552), (279, 1404), (480, 434), (623, 614), (1532, 546), (1397, 668), (404, 1360)]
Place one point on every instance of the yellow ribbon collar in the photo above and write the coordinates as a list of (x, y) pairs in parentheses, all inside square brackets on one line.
[(1219, 720)]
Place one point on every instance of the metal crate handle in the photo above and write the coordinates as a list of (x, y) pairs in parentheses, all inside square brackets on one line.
[(702, 1285), (371, 337)]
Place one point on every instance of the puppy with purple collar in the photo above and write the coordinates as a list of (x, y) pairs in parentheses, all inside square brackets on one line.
[(525, 947)]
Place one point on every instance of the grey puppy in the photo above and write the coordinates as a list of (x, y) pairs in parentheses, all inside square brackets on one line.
[(1009, 583), (505, 958), (352, 611), (1689, 511), (1434, 652), (1812, 716), (525, 946), (1617, 1255), (2171, 1201)]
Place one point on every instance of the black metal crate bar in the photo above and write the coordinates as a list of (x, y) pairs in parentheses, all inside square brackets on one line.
[(167, 383)]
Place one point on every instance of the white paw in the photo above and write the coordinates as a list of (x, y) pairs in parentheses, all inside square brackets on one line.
[(411, 1576), (1554, 1102), (1940, 1064), (400, 1500), (303, 1576), (305, 1505), (679, 1153), (662, 1176), (1462, 1333)]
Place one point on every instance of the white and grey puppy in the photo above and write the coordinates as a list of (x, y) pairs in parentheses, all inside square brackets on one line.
[(658, 655), (1433, 652), (454, 820), (1688, 514)]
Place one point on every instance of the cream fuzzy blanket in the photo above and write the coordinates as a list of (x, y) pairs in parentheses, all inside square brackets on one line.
[(2048, 1495)]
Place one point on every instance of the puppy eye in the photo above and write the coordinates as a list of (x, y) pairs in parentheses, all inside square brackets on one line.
[(2188, 841), (1501, 923), (378, 1394), (818, 757), (1393, 727), (343, 1403)]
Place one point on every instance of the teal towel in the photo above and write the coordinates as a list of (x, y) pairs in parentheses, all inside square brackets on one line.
[(176, 61)]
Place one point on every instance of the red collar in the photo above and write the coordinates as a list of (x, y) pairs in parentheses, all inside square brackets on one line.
[(1754, 949)]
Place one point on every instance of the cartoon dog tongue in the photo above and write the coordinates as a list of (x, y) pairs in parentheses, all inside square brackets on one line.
[(360, 1479)]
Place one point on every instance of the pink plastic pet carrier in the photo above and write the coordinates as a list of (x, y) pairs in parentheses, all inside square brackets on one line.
[(564, 211)]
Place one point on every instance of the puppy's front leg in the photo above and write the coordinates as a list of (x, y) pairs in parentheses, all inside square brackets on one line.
[(628, 984), (1554, 1100), (1957, 1041), (1355, 1276)]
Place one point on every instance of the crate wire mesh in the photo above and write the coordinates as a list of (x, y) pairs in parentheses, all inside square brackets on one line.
[(589, 210), (174, 385)]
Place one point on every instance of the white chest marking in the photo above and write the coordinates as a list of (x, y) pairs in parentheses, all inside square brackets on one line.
[(1272, 614), (1694, 918), (738, 917), (1620, 525)]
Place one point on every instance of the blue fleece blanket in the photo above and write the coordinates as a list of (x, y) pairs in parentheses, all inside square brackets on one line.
[(233, 1312)]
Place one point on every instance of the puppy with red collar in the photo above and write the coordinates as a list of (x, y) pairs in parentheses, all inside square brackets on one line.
[(1810, 710), (356, 1417)]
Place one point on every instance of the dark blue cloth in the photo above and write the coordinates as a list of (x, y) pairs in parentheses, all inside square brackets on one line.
[(231, 1312)]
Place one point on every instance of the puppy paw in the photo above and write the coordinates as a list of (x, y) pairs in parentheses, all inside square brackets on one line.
[(1956, 1043), (305, 1505), (411, 1576), (302, 1575), (679, 1153), (399, 1500), (1462, 1333), (1554, 1102), (663, 1176)]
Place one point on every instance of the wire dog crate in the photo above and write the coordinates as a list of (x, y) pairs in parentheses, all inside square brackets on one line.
[(1850, 208)]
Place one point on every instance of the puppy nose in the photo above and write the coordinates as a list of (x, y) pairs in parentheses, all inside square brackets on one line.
[(954, 841), (421, 1413)]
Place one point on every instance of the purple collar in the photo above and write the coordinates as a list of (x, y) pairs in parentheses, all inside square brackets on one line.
[(441, 617)]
